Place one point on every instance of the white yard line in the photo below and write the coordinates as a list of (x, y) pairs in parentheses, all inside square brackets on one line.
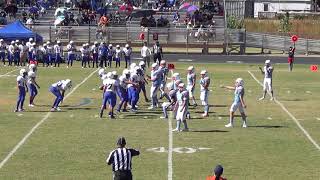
[(170, 148), (8, 73), (305, 132), (23, 140)]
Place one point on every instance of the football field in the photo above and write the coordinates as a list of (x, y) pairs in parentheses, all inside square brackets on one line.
[(281, 142)]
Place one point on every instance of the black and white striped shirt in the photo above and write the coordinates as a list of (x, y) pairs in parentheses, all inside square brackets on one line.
[(121, 159)]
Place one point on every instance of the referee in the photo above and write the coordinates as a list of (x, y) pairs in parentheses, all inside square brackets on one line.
[(121, 159)]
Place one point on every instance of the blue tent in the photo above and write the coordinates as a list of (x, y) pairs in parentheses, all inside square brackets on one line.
[(17, 31)]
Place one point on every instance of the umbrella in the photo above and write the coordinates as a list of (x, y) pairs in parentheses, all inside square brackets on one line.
[(192, 8), (122, 7), (184, 6), (143, 13), (33, 10), (60, 10)]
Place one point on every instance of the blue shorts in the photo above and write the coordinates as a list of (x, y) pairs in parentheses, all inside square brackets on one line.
[(109, 97), (33, 90)]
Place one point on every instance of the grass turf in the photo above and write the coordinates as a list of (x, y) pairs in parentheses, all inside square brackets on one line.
[(73, 144)]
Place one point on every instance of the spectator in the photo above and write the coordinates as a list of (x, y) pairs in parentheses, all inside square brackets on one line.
[(104, 21), (162, 22), (30, 23), (176, 18), (152, 21), (117, 18), (121, 160), (144, 22), (218, 171)]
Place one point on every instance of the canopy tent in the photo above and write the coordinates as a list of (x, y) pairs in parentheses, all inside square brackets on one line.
[(17, 31)]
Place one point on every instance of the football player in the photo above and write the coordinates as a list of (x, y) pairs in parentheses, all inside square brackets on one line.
[(267, 82), (32, 83), (182, 107), (58, 89), (238, 102), (204, 91), (109, 89), (22, 89), (191, 82)]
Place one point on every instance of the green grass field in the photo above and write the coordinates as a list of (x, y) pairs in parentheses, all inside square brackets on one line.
[(73, 143)]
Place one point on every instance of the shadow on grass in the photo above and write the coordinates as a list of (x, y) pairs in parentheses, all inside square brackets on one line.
[(296, 99), (227, 115), (267, 126), (218, 105), (87, 108), (208, 131)]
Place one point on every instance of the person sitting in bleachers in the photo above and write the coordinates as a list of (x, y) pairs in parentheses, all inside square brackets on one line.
[(104, 21), (152, 22)]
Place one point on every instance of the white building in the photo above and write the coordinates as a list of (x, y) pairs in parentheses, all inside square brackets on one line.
[(276, 6)]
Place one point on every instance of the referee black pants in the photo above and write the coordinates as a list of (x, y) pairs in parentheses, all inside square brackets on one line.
[(122, 175)]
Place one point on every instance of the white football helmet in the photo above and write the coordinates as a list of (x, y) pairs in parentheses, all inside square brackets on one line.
[(190, 68), (239, 82), (163, 62), (142, 63), (22, 72), (101, 72), (125, 71), (109, 75), (203, 72), (31, 74), (68, 83), (32, 67)]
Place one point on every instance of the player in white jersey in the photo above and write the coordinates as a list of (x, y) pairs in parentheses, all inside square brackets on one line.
[(117, 55), (58, 53), (22, 89), (85, 53), (32, 83), (163, 70), (155, 78), (238, 102), (124, 81), (143, 83), (127, 51), (71, 48), (172, 93), (267, 82), (204, 91), (95, 54), (191, 83), (58, 89), (182, 107), (50, 53), (3, 48), (110, 97)]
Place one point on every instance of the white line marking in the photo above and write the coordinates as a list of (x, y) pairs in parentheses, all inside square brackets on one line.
[(8, 73), (292, 117), (318, 119), (170, 147), (234, 62), (185, 60), (23, 140)]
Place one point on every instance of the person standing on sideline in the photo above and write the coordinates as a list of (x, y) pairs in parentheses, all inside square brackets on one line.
[(145, 54), (95, 54), (121, 160), (29, 45), (127, 50), (11, 53), (267, 82), (22, 89), (17, 53), (291, 56), (117, 56), (191, 84), (204, 91), (85, 56), (182, 107), (23, 53), (155, 78), (110, 55), (44, 51), (50, 53), (218, 171), (58, 50), (71, 49), (103, 54), (3, 48), (238, 102), (157, 53)]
